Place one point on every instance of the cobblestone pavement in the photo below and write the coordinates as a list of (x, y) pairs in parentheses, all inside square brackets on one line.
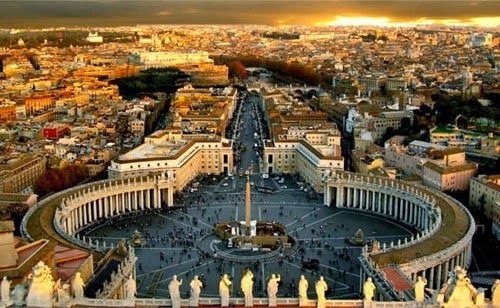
[(173, 236)]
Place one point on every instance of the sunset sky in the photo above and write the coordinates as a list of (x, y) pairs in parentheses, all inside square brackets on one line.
[(43, 13)]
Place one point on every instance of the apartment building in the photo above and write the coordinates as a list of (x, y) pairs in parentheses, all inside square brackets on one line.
[(180, 157), (38, 103), (373, 83), (198, 65), (207, 111), (388, 119), (485, 192), (20, 172), (55, 131), (410, 159), (453, 173), (312, 161), (7, 111), (453, 137)]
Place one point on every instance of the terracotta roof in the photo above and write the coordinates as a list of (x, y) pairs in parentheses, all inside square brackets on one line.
[(28, 256), (451, 169), (449, 151), (397, 279)]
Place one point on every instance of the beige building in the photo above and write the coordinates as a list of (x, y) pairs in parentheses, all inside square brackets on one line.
[(177, 156), (364, 161), (485, 191), (202, 111), (411, 159), (313, 162), (198, 65), (454, 137), (453, 173), (20, 172), (388, 119)]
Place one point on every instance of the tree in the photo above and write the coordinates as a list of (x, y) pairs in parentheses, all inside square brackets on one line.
[(237, 69), (54, 180)]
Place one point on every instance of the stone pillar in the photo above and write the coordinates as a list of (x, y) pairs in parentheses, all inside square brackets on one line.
[(69, 228), (105, 206), (439, 278), (379, 206), (431, 276), (446, 270), (452, 263), (407, 206), (102, 205), (158, 197), (170, 197), (141, 199), (83, 213), (417, 218), (356, 202), (338, 193)]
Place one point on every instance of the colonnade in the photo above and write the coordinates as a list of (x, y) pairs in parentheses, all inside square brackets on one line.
[(105, 200), (410, 204), (410, 209), (438, 274)]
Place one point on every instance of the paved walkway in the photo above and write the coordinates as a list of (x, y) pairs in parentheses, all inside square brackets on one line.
[(172, 238)]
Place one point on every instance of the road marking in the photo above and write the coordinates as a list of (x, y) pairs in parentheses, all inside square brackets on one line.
[(181, 223), (171, 266), (386, 220), (317, 221), (182, 273), (302, 217), (199, 220)]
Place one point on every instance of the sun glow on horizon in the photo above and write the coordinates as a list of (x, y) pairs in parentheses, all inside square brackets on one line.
[(359, 21), (386, 22)]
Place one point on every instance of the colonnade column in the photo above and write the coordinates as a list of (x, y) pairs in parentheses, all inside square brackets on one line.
[(439, 277), (431, 278)]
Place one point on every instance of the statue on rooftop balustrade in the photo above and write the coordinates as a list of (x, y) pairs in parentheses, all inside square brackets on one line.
[(130, 288), (321, 288), (224, 289), (247, 287), (368, 290), (173, 289), (5, 289), (495, 293), (303, 286), (419, 289), (196, 286), (77, 285), (41, 289)]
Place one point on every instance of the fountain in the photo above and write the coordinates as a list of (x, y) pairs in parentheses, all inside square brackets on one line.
[(358, 239)]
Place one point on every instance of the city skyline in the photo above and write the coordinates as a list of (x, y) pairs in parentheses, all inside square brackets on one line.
[(38, 13)]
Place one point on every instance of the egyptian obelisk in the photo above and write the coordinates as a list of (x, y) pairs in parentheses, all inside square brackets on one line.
[(248, 206)]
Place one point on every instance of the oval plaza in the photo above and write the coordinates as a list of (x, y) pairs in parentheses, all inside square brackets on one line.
[(443, 240)]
